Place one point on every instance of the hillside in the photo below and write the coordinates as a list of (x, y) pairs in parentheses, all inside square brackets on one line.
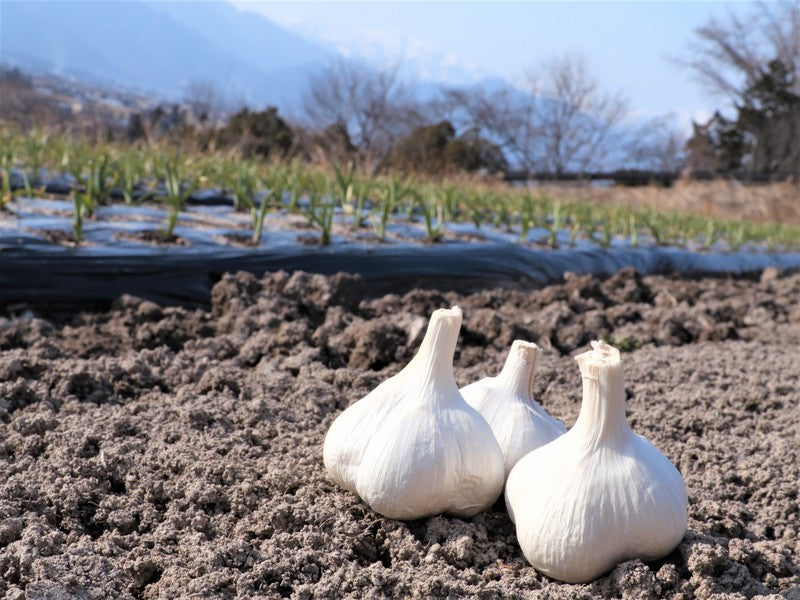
[(120, 42)]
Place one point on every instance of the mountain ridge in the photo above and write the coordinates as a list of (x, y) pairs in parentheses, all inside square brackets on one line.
[(120, 42)]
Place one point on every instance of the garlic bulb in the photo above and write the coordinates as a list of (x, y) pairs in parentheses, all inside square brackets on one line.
[(599, 494), (413, 447), (519, 424)]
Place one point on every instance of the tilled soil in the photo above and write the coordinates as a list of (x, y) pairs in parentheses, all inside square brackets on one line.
[(151, 452)]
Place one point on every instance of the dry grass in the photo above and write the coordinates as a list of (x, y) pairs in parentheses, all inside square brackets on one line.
[(773, 203)]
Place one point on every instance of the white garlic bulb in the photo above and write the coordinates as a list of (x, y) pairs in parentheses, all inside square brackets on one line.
[(518, 422), (413, 447), (599, 494)]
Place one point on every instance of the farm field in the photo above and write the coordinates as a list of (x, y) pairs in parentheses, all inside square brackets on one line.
[(338, 201), (156, 452), (165, 225), (281, 285), (173, 448)]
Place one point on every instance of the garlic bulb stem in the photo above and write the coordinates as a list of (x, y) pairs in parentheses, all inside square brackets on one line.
[(602, 415), (435, 356), (519, 368), (518, 422)]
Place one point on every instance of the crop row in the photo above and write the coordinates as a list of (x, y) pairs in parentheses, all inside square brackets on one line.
[(99, 173)]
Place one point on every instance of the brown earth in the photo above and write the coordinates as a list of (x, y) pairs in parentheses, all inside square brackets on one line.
[(152, 452)]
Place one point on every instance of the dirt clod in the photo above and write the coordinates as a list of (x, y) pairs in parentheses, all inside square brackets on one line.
[(162, 452)]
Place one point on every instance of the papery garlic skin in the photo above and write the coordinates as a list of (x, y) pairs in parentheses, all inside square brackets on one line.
[(413, 447), (519, 423), (599, 494)]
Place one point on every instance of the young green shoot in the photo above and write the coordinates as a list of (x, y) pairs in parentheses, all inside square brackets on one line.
[(95, 176), (737, 237), (294, 181), (710, 234), (276, 183), (6, 194), (475, 207), (450, 195), (432, 209), (179, 186), (574, 229), (129, 177), (654, 223), (505, 213), (35, 145), (6, 167), (95, 182), (243, 186), (389, 195), (526, 217), (344, 181), (608, 231), (363, 189), (321, 209), (556, 224), (633, 230)]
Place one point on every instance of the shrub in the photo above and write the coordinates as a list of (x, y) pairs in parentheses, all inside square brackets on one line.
[(435, 149), (261, 133)]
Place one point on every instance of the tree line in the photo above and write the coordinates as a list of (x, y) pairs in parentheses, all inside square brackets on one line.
[(557, 119)]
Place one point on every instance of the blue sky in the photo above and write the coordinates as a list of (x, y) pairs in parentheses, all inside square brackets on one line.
[(630, 45)]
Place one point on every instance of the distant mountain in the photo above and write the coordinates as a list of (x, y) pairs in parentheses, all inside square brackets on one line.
[(159, 47), (251, 37)]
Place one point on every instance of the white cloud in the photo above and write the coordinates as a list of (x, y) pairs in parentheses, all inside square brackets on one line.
[(450, 59), (417, 57)]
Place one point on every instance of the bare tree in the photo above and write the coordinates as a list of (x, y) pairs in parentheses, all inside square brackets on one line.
[(656, 145), (753, 62), (576, 119), (504, 115), (557, 119), (206, 100), (727, 56), (370, 107)]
